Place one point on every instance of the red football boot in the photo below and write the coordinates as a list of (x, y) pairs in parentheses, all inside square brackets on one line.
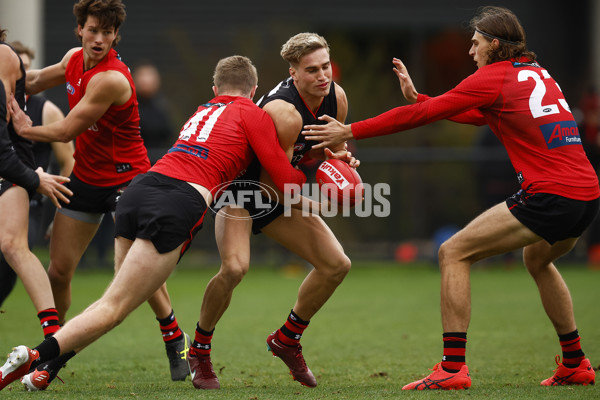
[(582, 375), (292, 357), (202, 373), (442, 380)]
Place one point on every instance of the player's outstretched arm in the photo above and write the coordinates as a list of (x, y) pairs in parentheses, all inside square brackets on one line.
[(63, 151), (473, 117)]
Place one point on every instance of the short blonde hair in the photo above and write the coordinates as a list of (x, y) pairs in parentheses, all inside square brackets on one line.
[(300, 45), (235, 73)]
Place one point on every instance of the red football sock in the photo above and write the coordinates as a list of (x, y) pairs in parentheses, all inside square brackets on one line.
[(571, 349), (170, 328), (202, 340), (49, 321), (455, 348), (291, 332)]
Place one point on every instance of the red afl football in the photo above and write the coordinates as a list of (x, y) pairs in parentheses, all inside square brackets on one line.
[(340, 182)]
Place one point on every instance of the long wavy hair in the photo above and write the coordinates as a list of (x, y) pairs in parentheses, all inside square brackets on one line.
[(502, 24)]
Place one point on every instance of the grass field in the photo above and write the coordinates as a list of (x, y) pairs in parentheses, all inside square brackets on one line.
[(379, 331)]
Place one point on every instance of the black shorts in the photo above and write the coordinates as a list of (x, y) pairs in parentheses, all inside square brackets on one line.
[(5, 185), (262, 213), (258, 223), (551, 216), (93, 199), (164, 210)]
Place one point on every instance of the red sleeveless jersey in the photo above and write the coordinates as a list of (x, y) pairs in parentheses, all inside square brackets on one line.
[(111, 151), (526, 110), (221, 139)]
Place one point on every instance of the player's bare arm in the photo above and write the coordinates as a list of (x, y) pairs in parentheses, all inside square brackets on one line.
[(104, 89), (53, 75), (62, 151), (288, 123), (9, 72), (342, 104)]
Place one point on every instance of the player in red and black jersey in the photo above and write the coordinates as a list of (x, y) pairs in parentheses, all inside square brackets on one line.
[(298, 100), (109, 153), (559, 193), (162, 210), (19, 180)]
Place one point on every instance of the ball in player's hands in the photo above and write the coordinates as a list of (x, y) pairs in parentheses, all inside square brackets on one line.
[(340, 182)]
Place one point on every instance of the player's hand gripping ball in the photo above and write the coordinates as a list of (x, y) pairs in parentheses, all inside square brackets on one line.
[(340, 183)]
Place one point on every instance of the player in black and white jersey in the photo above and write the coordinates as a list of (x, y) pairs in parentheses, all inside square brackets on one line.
[(19, 182), (41, 111)]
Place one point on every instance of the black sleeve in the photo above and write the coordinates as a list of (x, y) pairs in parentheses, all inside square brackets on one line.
[(11, 167)]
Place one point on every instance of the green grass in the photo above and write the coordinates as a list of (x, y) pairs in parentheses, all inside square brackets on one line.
[(379, 331)]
